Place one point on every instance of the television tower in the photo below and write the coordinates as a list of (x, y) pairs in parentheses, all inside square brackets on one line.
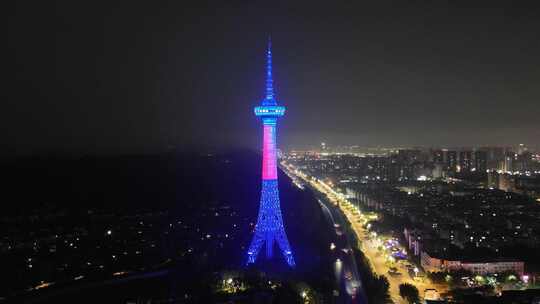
[(269, 227)]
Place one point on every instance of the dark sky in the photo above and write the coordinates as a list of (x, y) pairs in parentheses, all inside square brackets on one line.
[(89, 77)]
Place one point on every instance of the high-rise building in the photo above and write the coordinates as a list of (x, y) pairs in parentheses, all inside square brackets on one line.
[(451, 160), (523, 161), (408, 156), (507, 164), (522, 149), (493, 155), (438, 156), (480, 161), (269, 228), (465, 161), (438, 171)]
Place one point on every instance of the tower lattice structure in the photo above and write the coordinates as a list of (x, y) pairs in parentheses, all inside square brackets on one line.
[(269, 228)]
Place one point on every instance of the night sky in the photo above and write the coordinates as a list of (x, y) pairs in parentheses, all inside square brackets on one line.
[(130, 77)]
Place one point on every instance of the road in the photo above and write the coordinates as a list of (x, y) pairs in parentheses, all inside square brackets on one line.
[(345, 269), (379, 264), (366, 243)]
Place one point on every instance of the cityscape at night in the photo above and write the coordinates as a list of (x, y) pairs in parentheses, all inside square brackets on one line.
[(380, 152)]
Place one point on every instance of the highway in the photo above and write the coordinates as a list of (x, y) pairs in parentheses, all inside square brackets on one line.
[(345, 269)]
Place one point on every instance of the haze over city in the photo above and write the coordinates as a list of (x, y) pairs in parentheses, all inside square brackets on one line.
[(147, 76)]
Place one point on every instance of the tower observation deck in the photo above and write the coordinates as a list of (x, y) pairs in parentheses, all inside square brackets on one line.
[(269, 228)]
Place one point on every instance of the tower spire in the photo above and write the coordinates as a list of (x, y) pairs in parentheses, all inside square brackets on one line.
[(269, 99)]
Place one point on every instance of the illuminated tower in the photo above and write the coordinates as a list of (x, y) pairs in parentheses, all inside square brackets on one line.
[(269, 228)]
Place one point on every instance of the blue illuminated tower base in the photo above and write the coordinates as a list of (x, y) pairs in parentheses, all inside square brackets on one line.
[(269, 227)]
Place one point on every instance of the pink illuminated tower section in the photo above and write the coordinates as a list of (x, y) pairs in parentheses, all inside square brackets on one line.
[(269, 152), (269, 229)]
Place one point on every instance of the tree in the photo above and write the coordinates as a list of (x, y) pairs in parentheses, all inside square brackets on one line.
[(375, 286), (409, 292)]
